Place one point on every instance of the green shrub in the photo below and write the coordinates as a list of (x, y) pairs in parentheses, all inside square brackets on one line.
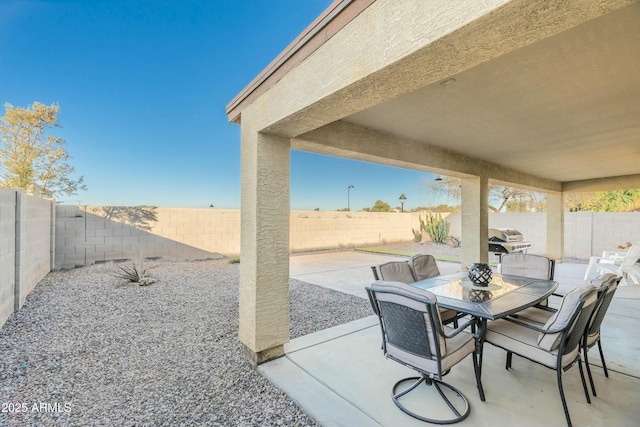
[(436, 227)]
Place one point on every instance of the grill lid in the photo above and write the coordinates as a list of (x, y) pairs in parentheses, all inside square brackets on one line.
[(505, 235)]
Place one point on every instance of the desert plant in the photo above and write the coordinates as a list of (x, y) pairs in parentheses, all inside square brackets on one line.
[(134, 274), (436, 227), (417, 235)]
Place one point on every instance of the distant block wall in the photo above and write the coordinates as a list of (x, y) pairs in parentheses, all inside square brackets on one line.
[(36, 236), (101, 233), (585, 233), (26, 247), (311, 230)]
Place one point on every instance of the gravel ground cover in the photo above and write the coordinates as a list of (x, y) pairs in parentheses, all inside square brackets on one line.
[(87, 350)]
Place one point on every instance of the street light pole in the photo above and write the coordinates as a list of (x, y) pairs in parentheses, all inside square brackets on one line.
[(402, 198), (349, 197)]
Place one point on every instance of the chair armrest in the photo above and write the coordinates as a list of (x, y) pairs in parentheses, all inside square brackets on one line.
[(612, 257), (459, 329), (542, 307), (535, 328), (614, 254)]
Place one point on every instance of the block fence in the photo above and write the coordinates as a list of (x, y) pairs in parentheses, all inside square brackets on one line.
[(94, 234), (37, 236), (26, 247)]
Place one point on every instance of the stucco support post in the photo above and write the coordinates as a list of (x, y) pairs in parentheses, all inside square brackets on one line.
[(264, 266), (475, 220), (555, 225)]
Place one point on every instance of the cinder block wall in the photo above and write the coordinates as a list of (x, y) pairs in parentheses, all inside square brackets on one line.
[(34, 233), (613, 229), (585, 233), (533, 227), (311, 230), (33, 243), (94, 234), (26, 247), (86, 235), (7, 252), (101, 233)]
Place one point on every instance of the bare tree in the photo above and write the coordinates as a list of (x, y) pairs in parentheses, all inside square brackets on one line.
[(501, 198)]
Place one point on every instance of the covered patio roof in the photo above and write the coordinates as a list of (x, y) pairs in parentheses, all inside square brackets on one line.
[(541, 95), (549, 90)]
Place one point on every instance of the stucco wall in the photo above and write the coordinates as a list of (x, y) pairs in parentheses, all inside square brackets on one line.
[(26, 247)]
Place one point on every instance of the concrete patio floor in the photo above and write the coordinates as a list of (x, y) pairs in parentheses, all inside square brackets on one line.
[(341, 378)]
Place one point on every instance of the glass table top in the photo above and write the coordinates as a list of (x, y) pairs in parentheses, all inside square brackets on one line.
[(503, 296)]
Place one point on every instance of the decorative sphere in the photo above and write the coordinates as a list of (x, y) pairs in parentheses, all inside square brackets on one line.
[(480, 274)]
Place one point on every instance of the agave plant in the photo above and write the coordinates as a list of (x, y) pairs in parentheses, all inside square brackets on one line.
[(135, 274)]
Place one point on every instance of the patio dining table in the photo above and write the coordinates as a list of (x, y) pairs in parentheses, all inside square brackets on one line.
[(503, 296)]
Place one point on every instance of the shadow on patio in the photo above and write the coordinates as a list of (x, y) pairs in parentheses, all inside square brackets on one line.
[(341, 378)]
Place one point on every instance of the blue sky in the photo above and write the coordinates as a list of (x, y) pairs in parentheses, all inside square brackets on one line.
[(143, 84)]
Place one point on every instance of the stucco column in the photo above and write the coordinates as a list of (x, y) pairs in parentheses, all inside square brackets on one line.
[(475, 220), (264, 264), (555, 225)]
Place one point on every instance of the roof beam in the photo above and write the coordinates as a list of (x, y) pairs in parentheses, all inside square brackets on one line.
[(627, 182), (348, 140)]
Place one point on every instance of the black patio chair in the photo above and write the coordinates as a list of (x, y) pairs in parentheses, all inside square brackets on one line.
[(413, 335), (527, 265), (424, 266), (556, 344), (402, 271), (607, 285), (394, 271)]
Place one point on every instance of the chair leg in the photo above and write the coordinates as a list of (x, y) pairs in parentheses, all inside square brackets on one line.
[(585, 351), (459, 413), (564, 401), (584, 383), (604, 365), (509, 358)]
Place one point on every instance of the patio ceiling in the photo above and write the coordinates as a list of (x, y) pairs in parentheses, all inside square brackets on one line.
[(546, 96), (566, 108)]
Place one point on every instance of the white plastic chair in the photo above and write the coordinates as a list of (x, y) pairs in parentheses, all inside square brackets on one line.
[(620, 263)]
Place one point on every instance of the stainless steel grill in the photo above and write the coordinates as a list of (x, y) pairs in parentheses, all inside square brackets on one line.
[(507, 240)]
